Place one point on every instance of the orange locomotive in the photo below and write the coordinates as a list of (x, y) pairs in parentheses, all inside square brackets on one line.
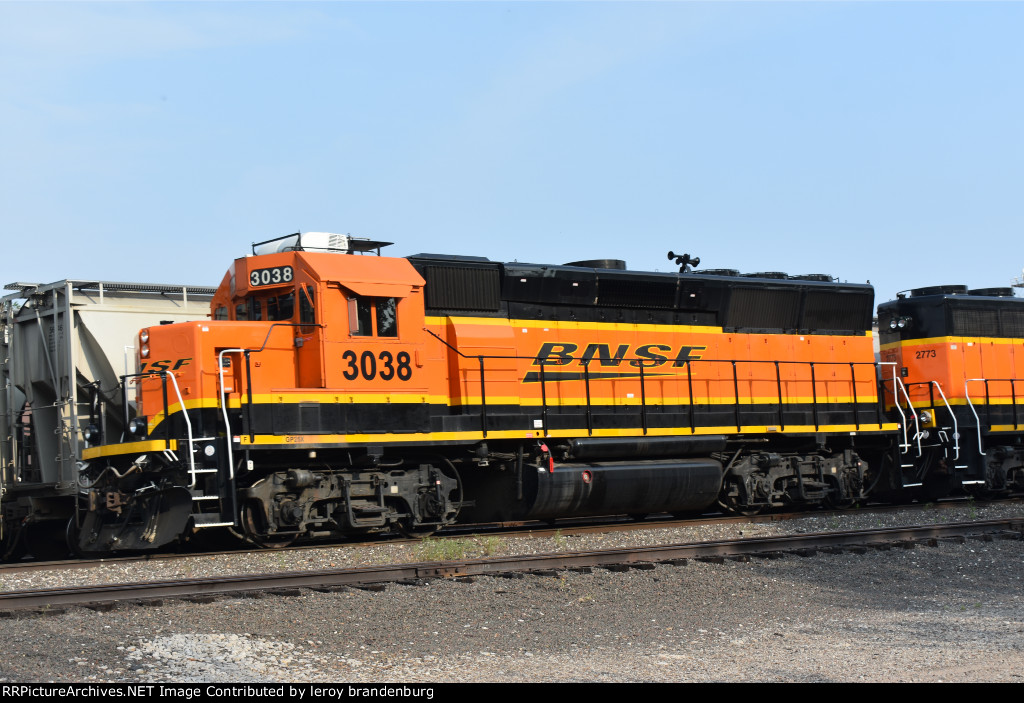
[(334, 394), (960, 358)]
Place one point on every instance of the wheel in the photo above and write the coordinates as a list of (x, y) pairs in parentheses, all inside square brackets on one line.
[(47, 540), (744, 512), (936, 485), (838, 504), (408, 529), (729, 500), (13, 546), (260, 539), (71, 537)]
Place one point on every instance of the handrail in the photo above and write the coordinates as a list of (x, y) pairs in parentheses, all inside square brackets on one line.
[(224, 396), (164, 375), (644, 363), (188, 425), (931, 403), (956, 426), (224, 405), (897, 383), (970, 403)]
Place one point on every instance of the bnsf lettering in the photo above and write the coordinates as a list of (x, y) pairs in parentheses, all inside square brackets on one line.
[(163, 365), (650, 355), (647, 351), (686, 354), (553, 352), (603, 352)]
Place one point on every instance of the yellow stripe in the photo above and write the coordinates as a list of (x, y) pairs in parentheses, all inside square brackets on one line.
[(304, 397), (143, 447), (155, 420), (273, 440), (572, 325), (294, 440), (374, 398), (378, 399), (652, 400), (949, 340), (926, 403), (605, 326)]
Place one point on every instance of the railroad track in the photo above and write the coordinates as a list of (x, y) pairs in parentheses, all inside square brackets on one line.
[(563, 527), (376, 577)]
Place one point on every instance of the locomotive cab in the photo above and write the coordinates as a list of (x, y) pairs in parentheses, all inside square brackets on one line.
[(960, 356), (306, 349)]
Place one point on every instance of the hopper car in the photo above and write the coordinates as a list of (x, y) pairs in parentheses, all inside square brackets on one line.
[(64, 345)]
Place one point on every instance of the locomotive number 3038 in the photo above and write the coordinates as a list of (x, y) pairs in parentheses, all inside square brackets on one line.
[(366, 365), (271, 276)]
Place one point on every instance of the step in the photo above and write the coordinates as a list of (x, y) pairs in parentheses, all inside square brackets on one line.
[(210, 520)]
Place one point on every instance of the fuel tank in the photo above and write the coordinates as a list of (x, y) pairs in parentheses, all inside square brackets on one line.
[(582, 489), (609, 488)]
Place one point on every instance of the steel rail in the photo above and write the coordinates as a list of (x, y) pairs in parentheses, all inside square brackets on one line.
[(565, 527), (637, 556)]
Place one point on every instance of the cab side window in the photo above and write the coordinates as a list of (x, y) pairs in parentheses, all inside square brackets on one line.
[(364, 310), (307, 315), (360, 316), (387, 318)]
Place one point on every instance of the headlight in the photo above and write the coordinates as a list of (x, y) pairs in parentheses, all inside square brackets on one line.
[(144, 336), (144, 351), (137, 426), (92, 434)]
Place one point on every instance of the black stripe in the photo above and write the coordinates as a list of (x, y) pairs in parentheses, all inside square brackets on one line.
[(312, 418)]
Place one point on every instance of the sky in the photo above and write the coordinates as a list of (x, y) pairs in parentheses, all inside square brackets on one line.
[(873, 141)]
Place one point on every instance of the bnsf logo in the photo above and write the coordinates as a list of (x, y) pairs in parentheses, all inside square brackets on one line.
[(650, 355), (163, 365)]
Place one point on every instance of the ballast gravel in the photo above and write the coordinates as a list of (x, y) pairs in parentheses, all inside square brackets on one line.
[(954, 612)]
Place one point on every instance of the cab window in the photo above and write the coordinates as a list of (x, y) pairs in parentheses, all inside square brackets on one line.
[(365, 310), (307, 310), (276, 308), (255, 310), (387, 321), (306, 307), (360, 316), (281, 308)]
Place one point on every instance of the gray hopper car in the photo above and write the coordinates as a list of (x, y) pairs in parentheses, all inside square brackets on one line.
[(64, 344)]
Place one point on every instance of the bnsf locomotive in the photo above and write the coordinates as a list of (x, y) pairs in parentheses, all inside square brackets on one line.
[(332, 393), (960, 354)]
